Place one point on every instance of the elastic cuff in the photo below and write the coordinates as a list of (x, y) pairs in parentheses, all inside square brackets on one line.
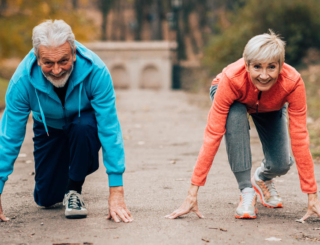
[(115, 180), (1, 186)]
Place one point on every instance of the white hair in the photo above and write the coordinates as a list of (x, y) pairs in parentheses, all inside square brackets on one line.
[(263, 48), (52, 34)]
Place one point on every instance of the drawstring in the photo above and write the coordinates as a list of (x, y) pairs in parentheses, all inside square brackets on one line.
[(42, 114), (80, 90)]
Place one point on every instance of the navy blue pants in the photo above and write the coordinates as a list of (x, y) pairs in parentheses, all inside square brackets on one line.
[(71, 152)]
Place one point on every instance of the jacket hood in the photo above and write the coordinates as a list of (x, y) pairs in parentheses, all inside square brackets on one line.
[(82, 67)]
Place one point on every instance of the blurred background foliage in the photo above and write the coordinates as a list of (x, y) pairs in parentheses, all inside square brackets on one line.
[(297, 22), (18, 17), (211, 34)]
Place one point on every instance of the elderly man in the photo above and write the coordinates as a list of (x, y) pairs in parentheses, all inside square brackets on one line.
[(70, 93)]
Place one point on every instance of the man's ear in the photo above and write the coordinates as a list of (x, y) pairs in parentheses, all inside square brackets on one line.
[(247, 67), (74, 54), (37, 59)]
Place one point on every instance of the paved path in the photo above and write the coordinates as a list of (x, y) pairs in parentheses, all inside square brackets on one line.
[(163, 134)]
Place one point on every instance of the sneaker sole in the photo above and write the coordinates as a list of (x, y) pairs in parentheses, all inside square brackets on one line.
[(257, 189), (246, 215), (76, 216)]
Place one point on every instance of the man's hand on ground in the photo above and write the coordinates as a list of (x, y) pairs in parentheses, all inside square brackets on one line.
[(117, 206), (313, 206), (2, 217)]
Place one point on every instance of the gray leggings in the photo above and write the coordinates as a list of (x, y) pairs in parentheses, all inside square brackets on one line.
[(273, 134)]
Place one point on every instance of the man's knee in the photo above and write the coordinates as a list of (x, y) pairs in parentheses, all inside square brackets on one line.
[(46, 199)]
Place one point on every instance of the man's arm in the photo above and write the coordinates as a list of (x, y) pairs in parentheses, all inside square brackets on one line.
[(12, 132), (110, 135), (2, 217)]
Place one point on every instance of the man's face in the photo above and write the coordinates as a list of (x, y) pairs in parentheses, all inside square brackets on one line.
[(56, 63), (264, 75)]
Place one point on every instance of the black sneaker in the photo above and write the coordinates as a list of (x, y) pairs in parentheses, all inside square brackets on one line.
[(75, 207)]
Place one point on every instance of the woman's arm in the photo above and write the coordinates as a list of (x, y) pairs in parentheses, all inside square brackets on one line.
[(189, 205)]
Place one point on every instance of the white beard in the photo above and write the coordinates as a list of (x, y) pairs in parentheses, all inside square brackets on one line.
[(59, 83)]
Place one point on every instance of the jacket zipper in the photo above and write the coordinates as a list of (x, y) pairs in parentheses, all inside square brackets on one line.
[(258, 102)]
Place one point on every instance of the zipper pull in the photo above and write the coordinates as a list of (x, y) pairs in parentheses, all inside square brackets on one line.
[(258, 101)]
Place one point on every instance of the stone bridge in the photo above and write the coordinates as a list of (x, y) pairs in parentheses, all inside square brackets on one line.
[(137, 65)]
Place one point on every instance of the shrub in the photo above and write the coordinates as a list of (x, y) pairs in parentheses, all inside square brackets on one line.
[(297, 21)]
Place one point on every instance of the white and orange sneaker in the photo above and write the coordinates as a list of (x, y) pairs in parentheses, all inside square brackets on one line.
[(247, 206), (267, 191)]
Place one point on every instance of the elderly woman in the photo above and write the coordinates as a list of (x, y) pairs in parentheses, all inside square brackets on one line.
[(262, 85)]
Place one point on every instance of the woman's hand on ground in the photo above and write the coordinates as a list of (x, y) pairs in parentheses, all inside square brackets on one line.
[(2, 217), (189, 205), (117, 206), (313, 206)]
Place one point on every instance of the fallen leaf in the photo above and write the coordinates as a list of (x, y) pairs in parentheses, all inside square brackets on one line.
[(273, 239), (222, 229), (205, 239)]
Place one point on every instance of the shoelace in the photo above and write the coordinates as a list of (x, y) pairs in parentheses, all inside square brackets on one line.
[(247, 198), (272, 189), (74, 200)]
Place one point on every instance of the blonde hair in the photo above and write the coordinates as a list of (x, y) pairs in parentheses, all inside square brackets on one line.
[(263, 48)]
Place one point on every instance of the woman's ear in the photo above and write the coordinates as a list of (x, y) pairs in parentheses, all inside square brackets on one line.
[(247, 67), (281, 65)]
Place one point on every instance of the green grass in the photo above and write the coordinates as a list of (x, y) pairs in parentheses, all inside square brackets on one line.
[(3, 88)]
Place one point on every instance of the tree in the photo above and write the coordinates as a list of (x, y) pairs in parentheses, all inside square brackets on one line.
[(297, 21), (17, 25), (104, 6)]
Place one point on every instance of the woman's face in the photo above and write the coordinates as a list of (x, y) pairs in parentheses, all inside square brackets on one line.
[(264, 75)]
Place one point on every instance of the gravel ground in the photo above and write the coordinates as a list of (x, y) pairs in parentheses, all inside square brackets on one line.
[(162, 133)]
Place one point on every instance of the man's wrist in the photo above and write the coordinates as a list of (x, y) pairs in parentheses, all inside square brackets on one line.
[(116, 190)]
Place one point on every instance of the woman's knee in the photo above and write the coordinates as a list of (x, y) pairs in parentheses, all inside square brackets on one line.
[(278, 168), (237, 119)]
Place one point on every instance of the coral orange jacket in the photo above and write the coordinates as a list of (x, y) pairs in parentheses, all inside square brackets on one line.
[(235, 85)]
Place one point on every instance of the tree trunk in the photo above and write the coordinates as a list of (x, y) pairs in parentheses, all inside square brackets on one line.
[(156, 27), (3, 5), (75, 4), (104, 7), (139, 10)]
